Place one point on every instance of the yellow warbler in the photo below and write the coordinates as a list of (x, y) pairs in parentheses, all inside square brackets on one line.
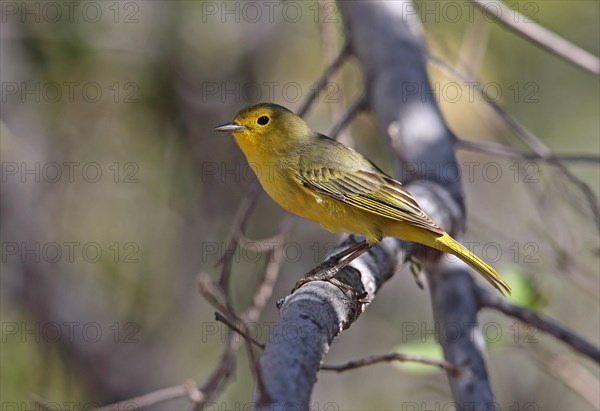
[(322, 180)]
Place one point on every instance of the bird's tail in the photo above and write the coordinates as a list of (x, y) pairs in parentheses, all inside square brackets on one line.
[(449, 245)]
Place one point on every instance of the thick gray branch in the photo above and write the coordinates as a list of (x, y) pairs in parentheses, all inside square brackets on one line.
[(455, 309), (385, 36), (386, 39), (398, 91), (309, 320)]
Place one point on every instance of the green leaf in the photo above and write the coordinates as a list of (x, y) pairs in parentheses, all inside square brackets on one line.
[(427, 348), (525, 293)]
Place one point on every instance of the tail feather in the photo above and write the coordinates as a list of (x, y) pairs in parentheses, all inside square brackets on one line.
[(449, 245)]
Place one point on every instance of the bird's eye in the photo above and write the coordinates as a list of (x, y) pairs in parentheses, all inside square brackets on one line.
[(262, 120)]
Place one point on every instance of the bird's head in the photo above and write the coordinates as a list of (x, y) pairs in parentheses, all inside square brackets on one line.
[(266, 124)]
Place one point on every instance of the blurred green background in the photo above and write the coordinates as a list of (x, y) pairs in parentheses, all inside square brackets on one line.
[(116, 194)]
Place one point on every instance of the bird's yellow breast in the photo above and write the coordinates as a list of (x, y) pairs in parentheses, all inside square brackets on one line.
[(275, 173)]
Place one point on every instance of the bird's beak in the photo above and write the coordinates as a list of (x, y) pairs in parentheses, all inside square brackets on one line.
[(230, 128)]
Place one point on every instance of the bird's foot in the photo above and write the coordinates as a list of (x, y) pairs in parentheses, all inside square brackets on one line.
[(328, 274), (418, 271), (324, 272), (327, 268)]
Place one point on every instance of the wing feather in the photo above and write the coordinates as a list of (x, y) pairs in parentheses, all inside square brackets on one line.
[(371, 191)]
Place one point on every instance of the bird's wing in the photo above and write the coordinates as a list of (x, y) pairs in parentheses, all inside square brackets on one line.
[(366, 188)]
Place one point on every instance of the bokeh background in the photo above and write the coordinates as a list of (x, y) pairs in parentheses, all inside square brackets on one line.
[(116, 194)]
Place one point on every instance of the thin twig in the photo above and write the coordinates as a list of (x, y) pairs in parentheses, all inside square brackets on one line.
[(242, 215), (151, 398), (576, 377), (227, 362), (252, 313), (359, 105), (491, 300), (264, 397), (474, 47), (261, 245), (222, 372), (332, 68), (209, 291), (510, 152), (376, 359), (259, 301), (540, 35), (261, 296), (220, 317), (271, 272), (528, 138), (329, 35)]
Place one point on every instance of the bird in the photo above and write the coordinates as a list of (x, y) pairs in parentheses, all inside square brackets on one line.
[(325, 181)]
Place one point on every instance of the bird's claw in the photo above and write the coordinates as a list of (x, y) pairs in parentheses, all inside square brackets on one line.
[(417, 270), (362, 297), (323, 272), (328, 269)]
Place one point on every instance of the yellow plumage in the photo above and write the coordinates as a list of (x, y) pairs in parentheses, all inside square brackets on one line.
[(322, 180)]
